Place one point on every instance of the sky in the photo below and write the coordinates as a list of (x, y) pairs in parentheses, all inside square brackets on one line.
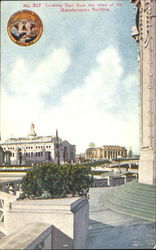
[(80, 77)]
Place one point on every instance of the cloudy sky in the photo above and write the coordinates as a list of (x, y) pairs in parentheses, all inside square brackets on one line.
[(80, 77)]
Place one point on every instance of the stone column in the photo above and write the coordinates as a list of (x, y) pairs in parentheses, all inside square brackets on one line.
[(1, 155), (108, 181), (14, 185), (125, 178), (146, 25)]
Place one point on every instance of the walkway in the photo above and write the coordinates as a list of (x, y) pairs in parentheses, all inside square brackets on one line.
[(111, 230)]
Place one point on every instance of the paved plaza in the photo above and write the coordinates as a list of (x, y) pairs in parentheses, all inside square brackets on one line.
[(112, 230)]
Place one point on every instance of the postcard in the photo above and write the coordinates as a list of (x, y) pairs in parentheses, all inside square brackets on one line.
[(69, 70), (75, 70)]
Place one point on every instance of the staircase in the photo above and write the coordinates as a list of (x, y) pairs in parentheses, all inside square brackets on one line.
[(133, 198)]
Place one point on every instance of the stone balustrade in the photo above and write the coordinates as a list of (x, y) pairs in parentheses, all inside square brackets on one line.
[(32, 236), (11, 186), (68, 218), (111, 181), (5, 204), (37, 235)]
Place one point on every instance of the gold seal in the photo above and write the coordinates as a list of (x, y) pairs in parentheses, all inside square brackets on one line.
[(25, 27)]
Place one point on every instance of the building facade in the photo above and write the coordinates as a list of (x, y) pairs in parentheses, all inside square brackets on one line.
[(39, 149), (145, 35), (106, 152), (4, 157)]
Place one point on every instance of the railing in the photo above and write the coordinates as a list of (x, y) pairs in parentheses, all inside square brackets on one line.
[(113, 181), (1, 210), (8, 194), (10, 186), (58, 213), (5, 203), (37, 235), (32, 236)]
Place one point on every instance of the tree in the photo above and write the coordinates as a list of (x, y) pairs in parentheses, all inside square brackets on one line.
[(56, 180), (31, 185)]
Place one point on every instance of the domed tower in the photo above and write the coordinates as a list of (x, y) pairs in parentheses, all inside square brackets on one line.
[(32, 132), (145, 35)]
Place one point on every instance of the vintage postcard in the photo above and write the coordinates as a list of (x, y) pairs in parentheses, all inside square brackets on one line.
[(70, 94), (74, 69)]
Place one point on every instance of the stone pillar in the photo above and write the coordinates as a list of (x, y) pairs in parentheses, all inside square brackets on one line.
[(103, 153), (111, 155), (1, 155), (125, 178), (7, 157), (108, 181), (17, 156), (14, 185), (146, 38)]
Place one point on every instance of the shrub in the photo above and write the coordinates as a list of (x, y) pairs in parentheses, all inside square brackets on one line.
[(56, 180)]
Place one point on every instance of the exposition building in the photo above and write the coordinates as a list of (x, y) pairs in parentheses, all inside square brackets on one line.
[(106, 152), (4, 156), (38, 149)]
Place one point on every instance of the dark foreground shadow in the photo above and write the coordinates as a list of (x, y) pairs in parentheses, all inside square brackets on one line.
[(60, 240), (126, 236)]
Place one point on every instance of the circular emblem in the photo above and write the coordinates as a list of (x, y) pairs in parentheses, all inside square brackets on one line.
[(25, 27)]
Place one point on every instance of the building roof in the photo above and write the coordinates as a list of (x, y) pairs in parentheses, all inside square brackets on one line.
[(37, 139), (107, 146), (114, 146)]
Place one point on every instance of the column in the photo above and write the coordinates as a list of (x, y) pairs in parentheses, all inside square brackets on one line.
[(146, 23)]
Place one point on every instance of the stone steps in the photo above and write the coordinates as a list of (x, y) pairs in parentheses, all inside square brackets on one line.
[(150, 199), (133, 199), (134, 211), (110, 229), (148, 202), (135, 190)]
